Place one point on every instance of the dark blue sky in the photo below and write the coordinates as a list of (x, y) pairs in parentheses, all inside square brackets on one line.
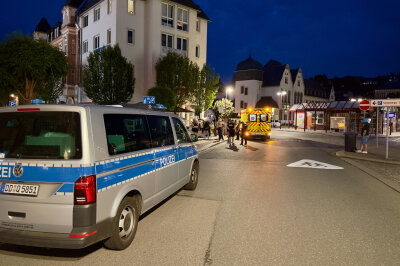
[(336, 38)]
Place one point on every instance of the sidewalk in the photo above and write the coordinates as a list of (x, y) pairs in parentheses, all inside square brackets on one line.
[(204, 144)]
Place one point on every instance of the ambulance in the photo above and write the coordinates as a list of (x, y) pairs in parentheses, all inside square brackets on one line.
[(258, 122)]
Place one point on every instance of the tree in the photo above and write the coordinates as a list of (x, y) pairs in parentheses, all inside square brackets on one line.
[(226, 108), (108, 77), (30, 68), (203, 94), (164, 96), (178, 74)]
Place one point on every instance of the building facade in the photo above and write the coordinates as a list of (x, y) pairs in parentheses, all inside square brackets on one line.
[(145, 31), (65, 36)]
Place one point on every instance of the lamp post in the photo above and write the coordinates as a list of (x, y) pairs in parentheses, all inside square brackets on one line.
[(281, 93), (228, 90)]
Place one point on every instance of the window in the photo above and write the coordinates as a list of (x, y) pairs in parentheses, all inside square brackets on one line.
[(167, 40), (131, 36), (85, 21), (246, 91), (65, 46), (286, 80), (41, 135), (131, 6), (96, 14), (298, 83), (85, 47), (167, 16), (263, 118), (197, 51), (96, 42), (198, 25), (182, 19), (109, 6), (245, 105), (181, 44), (241, 104), (160, 131), (73, 48), (126, 133), (108, 36), (241, 90), (253, 118), (181, 133)]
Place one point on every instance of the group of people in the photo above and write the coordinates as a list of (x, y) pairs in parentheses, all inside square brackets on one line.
[(234, 129), (206, 128)]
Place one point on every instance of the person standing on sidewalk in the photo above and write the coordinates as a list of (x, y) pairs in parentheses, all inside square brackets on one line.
[(221, 137), (206, 130), (231, 133), (243, 134), (237, 130), (364, 137)]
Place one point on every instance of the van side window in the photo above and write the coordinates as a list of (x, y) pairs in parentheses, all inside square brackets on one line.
[(126, 133), (181, 133), (161, 131)]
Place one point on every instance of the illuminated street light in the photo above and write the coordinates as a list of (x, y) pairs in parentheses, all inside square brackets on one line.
[(353, 100)]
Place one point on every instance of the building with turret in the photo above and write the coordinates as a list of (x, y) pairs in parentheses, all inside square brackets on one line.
[(65, 36)]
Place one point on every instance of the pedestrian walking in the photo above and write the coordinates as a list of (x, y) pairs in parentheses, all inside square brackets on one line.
[(243, 134), (364, 137), (231, 133), (237, 131), (195, 126), (219, 129), (206, 130)]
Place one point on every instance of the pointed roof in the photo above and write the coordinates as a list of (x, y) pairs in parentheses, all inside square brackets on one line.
[(273, 73), (249, 64), (266, 101), (43, 26), (73, 3)]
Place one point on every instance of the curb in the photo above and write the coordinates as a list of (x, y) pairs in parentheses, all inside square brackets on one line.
[(351, 155), (372, 173), (211, 145)]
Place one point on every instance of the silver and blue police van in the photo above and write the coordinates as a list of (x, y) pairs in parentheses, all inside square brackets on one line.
[(71, 176)]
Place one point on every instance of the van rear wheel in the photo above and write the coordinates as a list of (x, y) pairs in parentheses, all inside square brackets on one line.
[(194, 177), (125, 224)]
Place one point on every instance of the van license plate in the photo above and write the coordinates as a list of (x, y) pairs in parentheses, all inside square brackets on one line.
[(19, 189)]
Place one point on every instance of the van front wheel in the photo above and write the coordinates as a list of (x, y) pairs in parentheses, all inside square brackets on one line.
[(194, 177), (125, 224)]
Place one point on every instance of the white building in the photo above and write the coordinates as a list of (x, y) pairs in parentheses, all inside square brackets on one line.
[(145, 31), (258, 86)]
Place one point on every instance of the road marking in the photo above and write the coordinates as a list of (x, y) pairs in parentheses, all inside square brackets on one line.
[(307, 163)]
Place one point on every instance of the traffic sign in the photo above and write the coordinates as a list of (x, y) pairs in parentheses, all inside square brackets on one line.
[(149, 100), (11, 103), (364, 105), (385, 103)]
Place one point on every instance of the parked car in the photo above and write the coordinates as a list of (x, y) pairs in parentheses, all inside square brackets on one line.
[(275, 123)]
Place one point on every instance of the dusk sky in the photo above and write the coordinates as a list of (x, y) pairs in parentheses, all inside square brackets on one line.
[(335, 38)]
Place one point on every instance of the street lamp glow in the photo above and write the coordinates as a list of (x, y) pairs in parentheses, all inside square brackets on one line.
[(359, 100), (353, 100), (12, 95), (229, 89), (281, 93)]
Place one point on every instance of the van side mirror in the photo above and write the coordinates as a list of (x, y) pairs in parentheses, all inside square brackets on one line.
[(194, 137)]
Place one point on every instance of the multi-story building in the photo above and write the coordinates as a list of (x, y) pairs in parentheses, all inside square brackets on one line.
[(145, 31), (64, 35), (274, 85), (258, 86)]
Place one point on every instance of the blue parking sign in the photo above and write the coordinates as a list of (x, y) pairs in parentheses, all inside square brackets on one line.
[(11, 103), (149, 100)]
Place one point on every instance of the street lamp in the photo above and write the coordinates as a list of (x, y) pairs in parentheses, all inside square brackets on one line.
[(228, 90), (281, 93)]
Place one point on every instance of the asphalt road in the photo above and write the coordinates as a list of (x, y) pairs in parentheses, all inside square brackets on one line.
[(251, 209)]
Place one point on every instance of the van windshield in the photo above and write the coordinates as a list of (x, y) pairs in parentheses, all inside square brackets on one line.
[(40, 135)]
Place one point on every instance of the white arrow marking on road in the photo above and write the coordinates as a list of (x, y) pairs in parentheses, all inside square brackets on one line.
[(307, 163)]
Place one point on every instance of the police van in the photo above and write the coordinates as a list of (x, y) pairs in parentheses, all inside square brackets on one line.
[(71, 176)]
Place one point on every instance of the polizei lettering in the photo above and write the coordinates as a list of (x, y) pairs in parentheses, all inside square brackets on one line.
[(5, 172), (167, 160)]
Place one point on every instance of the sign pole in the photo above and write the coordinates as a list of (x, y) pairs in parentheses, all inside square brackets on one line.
[(387, 132), (377, 127)]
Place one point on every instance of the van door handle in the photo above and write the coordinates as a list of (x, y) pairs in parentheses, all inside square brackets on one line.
[(20, 215)]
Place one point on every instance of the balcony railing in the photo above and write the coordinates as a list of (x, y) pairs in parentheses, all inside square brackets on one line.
[(166, 50)]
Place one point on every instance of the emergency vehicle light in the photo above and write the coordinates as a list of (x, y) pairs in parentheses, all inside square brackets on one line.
[(250, 109), (85, 190)]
